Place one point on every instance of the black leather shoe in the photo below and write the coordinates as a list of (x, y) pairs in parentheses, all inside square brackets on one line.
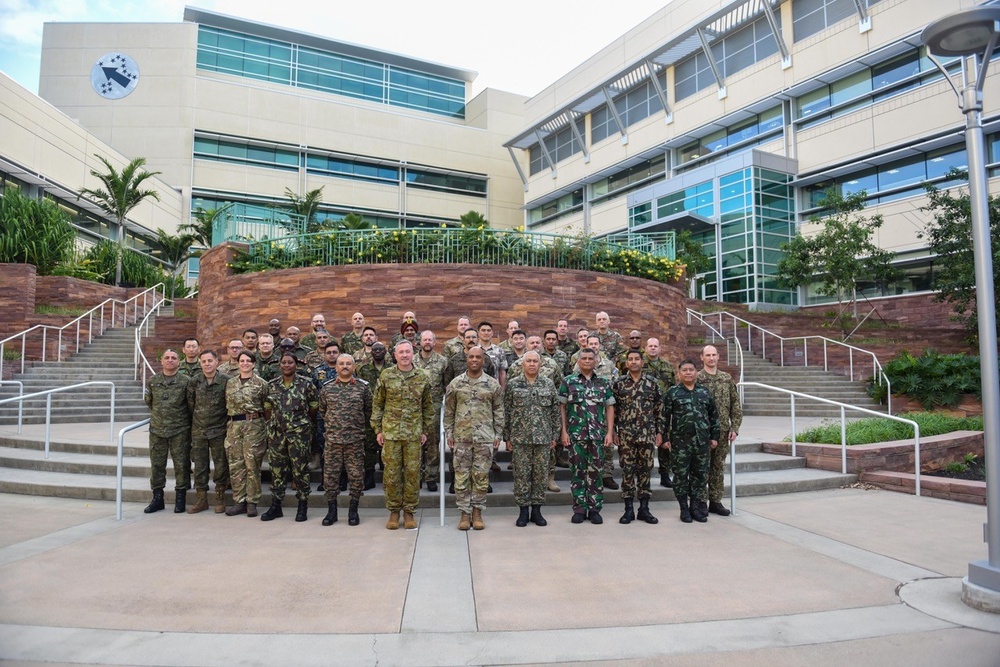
[(644, 513), (274, 511), (352, 514), (610, 483), (536, 516), (629, 515), (595, 518), (716, 507), (156, 504), (685, 510), (665, 481), (432, 486), (343, 479), (180, 500), (699, 510), (369, 480), (578, 517), (489, 488), (331, 514), (301, 513)]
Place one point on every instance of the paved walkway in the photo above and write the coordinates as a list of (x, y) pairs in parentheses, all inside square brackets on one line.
[(819, 578)]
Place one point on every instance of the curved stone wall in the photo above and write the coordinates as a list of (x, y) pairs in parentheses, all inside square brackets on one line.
[(438, 293)]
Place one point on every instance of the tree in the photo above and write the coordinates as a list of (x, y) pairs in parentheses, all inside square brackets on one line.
[(122, 192), (174, 249), (949, 235), (840, 254), (353, 221), (307, 207), (690, 253), (34, 231), (473, 220), (201, 228)]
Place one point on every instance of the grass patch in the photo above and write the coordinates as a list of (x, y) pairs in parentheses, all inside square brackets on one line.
[(43, 309), (180, 312), (869, 431), (10, 354)]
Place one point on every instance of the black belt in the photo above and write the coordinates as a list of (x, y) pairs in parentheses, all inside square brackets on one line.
[(250, 416)]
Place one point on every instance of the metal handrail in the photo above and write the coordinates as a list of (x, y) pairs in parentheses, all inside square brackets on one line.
[(139, 359), (715, 332), (48, 405), (877, 371), (20, 404), (121, 458), (113, 303), (843, 424)]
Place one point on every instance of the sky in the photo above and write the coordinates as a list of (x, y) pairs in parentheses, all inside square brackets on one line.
[(520, 46)]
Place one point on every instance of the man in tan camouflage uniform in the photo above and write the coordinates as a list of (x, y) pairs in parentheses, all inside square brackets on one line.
[(206, 397), (473, 424), (346, 406), (190, 364), (611, 340), (531, 426), (433, 364), (368, 338), (169, 431), (455, 345), (402, 418), (727, 402), (370, 372), (351, 341), (231, 366), (246, 437), (662, 371)]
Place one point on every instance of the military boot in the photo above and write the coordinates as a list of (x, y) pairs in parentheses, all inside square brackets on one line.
[(251, 510), (629, 515), (595, 517), (522, 518), (237, 508), (463, 523), (699, 510), (180, 499), (369, 480), (352, 513), (644, 514), (201, 504), (477, 519), (553, 487), (536, 516), (156, 504), (665, 481), (610, 483), (343, 479), (409, 522), (685, 510), (274, 512), (302, 513), (393, 522), (220, 499), (331, 513), (715, 507)]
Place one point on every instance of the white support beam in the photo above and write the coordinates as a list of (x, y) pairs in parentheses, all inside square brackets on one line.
[(660, 92), (517, 166), (712, 64), (576, 135), (864, 18), (614, 114), (545, 153), (772, 21)]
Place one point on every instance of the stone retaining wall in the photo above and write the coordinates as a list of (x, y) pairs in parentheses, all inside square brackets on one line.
[(961, 490)]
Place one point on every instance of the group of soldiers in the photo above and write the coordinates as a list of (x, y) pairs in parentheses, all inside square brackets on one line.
[(346, 406)]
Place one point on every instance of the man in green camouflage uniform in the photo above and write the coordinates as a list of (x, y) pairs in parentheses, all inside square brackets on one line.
[(246, 437), (611, 340), (456, 364), (662, 371), (345, 404), (690, 431), (493, 351), (249, 338), (473, 424), (267, 361), (206, 397), (604, 368), (587, 408), (292, 402), (317, 356), (548, 368), (531, 427), (566, 344), (433, 364), (727, 402), (634, 344), (231, 366), (321, 374), (408, 331), (368, 339), (637, 431), (455, 345), (169, 431), (318, 323), (370, 372), (351, 341), (190, 364), (295, 335), (289, 345), (551, 350), (402, 418)]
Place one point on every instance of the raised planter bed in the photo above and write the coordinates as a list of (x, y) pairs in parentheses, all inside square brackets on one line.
[(961, 490)]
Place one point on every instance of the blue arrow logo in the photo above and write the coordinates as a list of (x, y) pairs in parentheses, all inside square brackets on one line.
[(113, 74)]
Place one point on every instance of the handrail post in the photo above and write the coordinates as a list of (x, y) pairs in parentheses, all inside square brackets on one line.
[(24, 350), (120, 466), (916, 455), (794, 436), (826, 363), (781, 350), (441, 465), (843, 442), (48, 423), (805, 352), (45, 332), (59, 347), (850, 357), (732, 476), (112, 412)]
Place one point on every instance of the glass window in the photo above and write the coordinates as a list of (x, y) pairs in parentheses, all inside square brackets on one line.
[(850, 87), (941, 161), (813, 101), (888, 73), (902, 172)]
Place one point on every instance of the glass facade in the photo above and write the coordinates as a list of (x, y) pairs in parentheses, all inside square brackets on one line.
[(632, 106), (291, 64), (812, 16), (739, 136), (560, 145), (569, 203)]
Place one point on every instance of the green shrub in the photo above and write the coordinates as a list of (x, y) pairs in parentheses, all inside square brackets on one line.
[(876, 429), (137, 269), (34, 231), (932, 379)]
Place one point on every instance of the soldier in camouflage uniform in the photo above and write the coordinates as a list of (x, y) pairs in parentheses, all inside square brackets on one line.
[(317, 356), (455, 345), (190, 364), (169, 431), (605, 369), (518, 342), (566, 344), (267, 360), (345, 404), (473, 424), (231, 366), (493, 351), (507, 345), (549, 368), (634, 345), (292, 403), (551, 350), (351, 341), (587, 408), (531, 427), (690, 430), (274, 328), (370, 373), (611, 340), (206, 397), (289, 345), (727, 402), (637, 431), (663, 373), (409, 331), (246, 438), (321, 374), (318, 323), (368, 339), (249, 339), (456, 364), (295, 335), (402, 418), (433, 364)]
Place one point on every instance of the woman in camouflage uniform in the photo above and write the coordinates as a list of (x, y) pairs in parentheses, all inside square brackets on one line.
[(246, 441)]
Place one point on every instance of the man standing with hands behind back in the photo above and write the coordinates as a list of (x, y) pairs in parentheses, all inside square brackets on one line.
[(727, 401)]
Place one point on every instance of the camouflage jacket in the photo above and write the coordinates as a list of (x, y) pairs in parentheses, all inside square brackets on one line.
[(561, 359), (402, 408), (322, 374), (690, 414), (301, 351), (230, 368), (604, 367), (192, 369), (497, 356), (569, 347), (660, 370), (167, 398), (346, 409), (456, 366), (362, 355), (246, 397), (549, 369), (267, 368), (351, 343), (207, 403), (637, 409), (291, 405), (473, 409), (612, 342), (531, 411), (623, 357), (434, 366), (369, 373), (315, 359), (396, 340), (453, 347), (727, 399), (585, 402)]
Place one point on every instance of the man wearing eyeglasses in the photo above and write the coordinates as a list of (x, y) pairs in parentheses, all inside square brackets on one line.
[(231, 367), (634, 345)]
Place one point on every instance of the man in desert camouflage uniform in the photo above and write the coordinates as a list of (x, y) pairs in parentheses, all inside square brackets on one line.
[(727, 402), (662, 371), (638, 409), (455, 345), (206, 397), (433, 364), (169, 431), (351, 341), (231, 366), (364, 354), (246, 436)]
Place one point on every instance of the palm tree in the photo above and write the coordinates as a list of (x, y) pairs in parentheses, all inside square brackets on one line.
[(353, 221), (121, 193), (473, 220), (307, 207), (174, 249), (201, 228)]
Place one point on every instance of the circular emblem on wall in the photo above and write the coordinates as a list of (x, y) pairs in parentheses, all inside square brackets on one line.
[(114, 75)]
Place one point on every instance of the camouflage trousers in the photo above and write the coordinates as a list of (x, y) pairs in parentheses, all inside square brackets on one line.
[(717, 468), (586, 461), (401, 474), (339, 456), (531, 473), (637, 460), (608, 469), (472, 462), (179, 448), (663, 459), (373, 453), (431, 467), (288, 457), (689, 461), (203, 449), (246, 443)]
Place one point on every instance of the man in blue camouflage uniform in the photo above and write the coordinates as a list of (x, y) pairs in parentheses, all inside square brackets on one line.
[(690, 431), (169, 431), (637, 431)]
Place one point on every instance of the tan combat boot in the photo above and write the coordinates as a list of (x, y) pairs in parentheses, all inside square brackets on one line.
[(220, 499), (201, 504), (393, 522), (408, 521), (463, 523), (477, 519), (553, 487)]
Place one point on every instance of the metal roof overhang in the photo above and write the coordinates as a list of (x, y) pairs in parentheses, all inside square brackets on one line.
[(684, 220)]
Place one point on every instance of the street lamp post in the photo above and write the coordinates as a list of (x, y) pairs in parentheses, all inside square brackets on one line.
[(972, 35)]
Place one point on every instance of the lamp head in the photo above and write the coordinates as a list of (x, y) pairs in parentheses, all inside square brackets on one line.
[(963, 33)]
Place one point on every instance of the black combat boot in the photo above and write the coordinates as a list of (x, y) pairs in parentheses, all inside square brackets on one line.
[(715, 507), (644, 514), (180, 501), (331, 513), (536, 516), (699, 510), (685, 510), (369, 479), (610, 483), (274, 512), (522, 518), (595, 517), (300, 514), (352, 514), (629, 515), (432, 486), (665, 481), (156, 504)]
